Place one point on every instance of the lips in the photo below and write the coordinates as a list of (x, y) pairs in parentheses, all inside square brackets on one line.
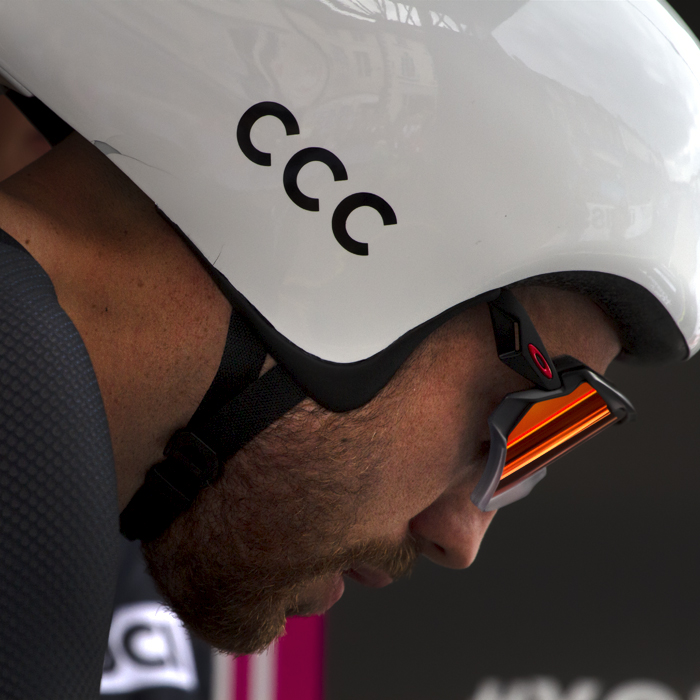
[(320, 596), (324, 594), (367, 576), (336, 593)]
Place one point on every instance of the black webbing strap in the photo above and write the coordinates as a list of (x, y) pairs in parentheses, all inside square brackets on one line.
[(195, 456), (254, 409), (240, 365)]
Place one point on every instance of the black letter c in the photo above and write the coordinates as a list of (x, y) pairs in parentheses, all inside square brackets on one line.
[(129, 645), (245, 125), (297, 162), (347, 207)]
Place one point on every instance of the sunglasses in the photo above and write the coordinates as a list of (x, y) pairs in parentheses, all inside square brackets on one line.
[(530, 429)]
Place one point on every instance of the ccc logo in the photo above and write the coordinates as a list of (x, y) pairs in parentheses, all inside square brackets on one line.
[(298, 161)]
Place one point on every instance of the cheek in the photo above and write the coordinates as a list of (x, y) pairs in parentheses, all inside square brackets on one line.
[(439, 435), (429, 455)]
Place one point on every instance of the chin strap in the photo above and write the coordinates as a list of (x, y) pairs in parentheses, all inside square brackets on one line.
[(195, 456)]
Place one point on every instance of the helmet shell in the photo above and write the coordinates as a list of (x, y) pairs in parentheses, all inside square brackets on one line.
[(510, 139)]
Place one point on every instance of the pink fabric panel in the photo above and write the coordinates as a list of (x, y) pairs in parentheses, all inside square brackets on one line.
[(299, 664), (240, 678), (300, 660)]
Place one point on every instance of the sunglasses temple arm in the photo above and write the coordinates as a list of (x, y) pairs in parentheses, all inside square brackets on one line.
[(518, 344)]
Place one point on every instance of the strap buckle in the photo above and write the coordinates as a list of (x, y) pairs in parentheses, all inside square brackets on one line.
[(195, 455)]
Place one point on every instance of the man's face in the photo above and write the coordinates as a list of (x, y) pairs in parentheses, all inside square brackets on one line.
[(319, 495)]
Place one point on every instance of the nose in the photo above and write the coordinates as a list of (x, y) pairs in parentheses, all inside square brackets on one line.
[(450, 530)]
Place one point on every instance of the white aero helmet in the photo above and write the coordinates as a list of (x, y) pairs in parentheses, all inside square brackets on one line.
[(359, 169)]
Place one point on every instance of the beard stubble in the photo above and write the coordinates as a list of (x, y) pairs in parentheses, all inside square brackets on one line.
[(237, 564)]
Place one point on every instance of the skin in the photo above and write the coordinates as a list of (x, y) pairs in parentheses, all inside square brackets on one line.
[(131, 287), (317, 495), (361, 494), (20, 142)]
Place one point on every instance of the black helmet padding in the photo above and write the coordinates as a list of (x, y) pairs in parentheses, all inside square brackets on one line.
[(647, 332)]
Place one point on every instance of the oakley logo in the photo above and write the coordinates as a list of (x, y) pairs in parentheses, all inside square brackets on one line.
[(540, 361), (298, 161)]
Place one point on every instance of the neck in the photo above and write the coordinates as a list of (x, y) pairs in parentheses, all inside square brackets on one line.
[(153, 321)]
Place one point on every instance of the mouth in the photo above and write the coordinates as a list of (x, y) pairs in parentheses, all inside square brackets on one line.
[(320, 597), (333, 591), (367, 576)]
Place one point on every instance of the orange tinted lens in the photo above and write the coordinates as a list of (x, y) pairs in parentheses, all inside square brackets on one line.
[(551, 428)]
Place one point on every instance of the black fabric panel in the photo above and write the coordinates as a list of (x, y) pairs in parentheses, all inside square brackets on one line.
[(58, 513)]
